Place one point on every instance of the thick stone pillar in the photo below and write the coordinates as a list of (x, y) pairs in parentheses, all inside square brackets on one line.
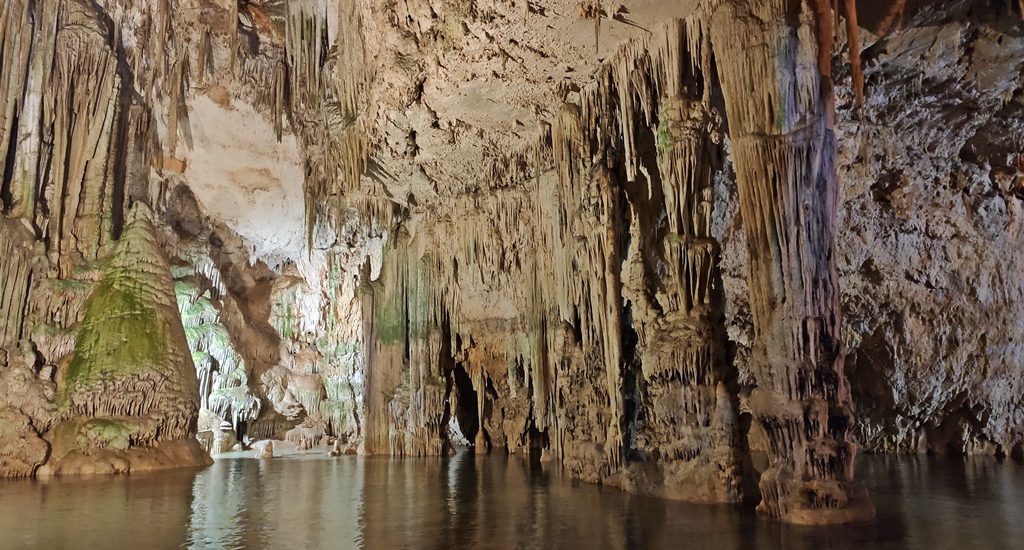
[(773, 58)]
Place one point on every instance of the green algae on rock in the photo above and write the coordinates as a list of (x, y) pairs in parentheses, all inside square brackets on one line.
[(130, 384)]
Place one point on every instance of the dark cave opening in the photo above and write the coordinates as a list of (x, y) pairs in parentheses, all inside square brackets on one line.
[(6, 194), (465, 403)]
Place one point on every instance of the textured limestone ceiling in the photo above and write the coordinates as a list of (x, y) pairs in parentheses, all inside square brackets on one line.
[(458, 84), (491, 79), (451, 86), (444, 88)]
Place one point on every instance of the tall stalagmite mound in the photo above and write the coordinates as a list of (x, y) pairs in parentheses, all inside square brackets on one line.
[(129, 397)]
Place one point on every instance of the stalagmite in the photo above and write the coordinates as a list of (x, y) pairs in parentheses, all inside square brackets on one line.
[(142, 384), (780, 120)]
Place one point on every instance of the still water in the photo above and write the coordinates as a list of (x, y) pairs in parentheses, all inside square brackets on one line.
[(314, 501)]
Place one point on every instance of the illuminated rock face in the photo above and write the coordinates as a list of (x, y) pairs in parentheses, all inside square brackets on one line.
[(633, 242)]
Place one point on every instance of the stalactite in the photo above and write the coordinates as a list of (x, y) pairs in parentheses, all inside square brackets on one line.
[(66, 44), (204, 56), (16, 37), (25, 175), (305, 39), (84, 98), (176, 94), (552, 247), (15, 281), (853, 45), (233, 32)]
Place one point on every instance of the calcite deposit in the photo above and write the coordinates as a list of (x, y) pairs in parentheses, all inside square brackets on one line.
[(129, 391), (639, 240)]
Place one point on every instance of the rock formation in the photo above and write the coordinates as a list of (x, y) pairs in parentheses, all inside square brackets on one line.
[(639, 241), (785, 152), (128, 397), (930, 277)]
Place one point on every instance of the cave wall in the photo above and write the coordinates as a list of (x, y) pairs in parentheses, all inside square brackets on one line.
[(928, 224), (950, 294)]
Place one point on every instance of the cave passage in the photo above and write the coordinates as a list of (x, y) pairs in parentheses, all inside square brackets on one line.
[(465, 413)]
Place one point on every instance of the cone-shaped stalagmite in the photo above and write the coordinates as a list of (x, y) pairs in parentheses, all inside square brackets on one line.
[(129, 396)]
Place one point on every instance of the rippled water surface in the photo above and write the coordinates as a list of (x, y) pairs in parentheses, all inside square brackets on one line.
[(314, 501)]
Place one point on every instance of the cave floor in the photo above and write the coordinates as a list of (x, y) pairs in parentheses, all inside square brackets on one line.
[(309, 500)]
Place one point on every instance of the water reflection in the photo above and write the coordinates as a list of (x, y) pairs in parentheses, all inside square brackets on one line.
[(297, 502), (482, 502), (114, 512)]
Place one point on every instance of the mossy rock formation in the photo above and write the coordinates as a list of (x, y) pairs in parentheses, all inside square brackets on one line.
[(131, 374)]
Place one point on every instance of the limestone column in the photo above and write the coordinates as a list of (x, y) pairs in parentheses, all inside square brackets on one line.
[(773, 58)]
